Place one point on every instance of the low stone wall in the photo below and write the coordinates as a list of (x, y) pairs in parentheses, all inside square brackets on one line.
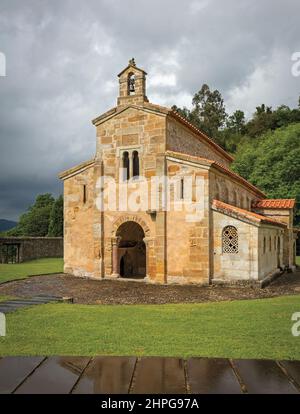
[(20, 249)]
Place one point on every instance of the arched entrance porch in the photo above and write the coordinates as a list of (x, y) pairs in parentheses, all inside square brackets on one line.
[(129, 255)]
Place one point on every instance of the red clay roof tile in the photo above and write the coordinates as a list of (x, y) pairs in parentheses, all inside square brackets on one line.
[(258, 218), (284, 203)]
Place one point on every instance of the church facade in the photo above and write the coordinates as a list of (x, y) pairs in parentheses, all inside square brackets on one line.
[(207, 225)]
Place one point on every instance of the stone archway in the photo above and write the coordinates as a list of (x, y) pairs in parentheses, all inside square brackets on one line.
[(131, 254), (136, 236)]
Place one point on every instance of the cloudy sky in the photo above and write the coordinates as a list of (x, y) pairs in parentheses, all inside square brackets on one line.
[(63, 57)]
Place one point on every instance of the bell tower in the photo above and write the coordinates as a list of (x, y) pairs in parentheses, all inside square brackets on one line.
[(132, 82)]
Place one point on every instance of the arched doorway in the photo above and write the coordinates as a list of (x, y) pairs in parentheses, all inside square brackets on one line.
[(131, 250)]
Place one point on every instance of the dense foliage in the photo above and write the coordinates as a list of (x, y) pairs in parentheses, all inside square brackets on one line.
[(266, 147), (43, 218), (56, 220), (272, 163)]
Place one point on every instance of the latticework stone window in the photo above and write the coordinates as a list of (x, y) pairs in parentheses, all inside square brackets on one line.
[(230, 240)]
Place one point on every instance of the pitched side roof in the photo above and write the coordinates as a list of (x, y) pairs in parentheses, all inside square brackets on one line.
[(280, 203), (76, 169), (218, 166), (188, 124), (244, 214)]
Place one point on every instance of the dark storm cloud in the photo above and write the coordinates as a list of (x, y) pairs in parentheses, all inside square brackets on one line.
[(63, 58)]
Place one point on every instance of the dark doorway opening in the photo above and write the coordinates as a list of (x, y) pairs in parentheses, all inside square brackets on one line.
[(131, 250)]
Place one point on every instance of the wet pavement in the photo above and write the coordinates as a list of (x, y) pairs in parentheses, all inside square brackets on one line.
[(151, 375)]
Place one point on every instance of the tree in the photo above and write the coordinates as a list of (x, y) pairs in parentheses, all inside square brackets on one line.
[(236, 122), (261, 122), (209, 110), (35, 221), (207, 113), (56, 218), (272, 163)]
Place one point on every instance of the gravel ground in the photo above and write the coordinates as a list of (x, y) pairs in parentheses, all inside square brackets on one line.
[(130, 292)]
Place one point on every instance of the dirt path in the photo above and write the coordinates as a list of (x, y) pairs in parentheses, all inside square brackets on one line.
[(128, 292)]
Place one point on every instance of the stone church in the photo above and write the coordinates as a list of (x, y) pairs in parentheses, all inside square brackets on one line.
[(240, 235)]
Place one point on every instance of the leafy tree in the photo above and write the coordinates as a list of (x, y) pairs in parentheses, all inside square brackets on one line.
[(272, 163), (261, 121), (209, 110), (35, 221), (207, 113), (56, 218), (236, 122)]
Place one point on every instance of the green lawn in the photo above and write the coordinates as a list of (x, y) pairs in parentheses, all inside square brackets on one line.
[(298, 260), (35, 267), (239, 329), (4, 298)]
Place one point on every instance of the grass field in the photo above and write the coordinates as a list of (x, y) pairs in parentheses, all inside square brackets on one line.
[(239, 329), (298, 260), (4, 298), (35, 267)]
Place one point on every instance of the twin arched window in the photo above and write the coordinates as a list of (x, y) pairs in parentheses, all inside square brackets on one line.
[(230, 240), (135, 164), (126, 165)]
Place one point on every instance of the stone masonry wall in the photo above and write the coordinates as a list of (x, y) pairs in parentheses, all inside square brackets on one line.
[(181, 139), (34, 247), (227, 190), (188, 255), (270, 248), (78, 224), (142, 131), (235, 266)]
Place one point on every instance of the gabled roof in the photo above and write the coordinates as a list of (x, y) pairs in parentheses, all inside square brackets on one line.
[(216, 165), (133, 66), (188, 124), (240, 213), (82, 166), (280, 203), (165, 111)]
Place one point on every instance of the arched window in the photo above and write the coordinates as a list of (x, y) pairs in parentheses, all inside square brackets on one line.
[(264, 245), (270, 244), (135, 164), (181, 188), (126, 165), (230, 241), (131, 84), (275, 243), (84, 197)]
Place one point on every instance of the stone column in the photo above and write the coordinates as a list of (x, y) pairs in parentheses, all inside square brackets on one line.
[(131, 163), (150, 263), (115, 259)]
